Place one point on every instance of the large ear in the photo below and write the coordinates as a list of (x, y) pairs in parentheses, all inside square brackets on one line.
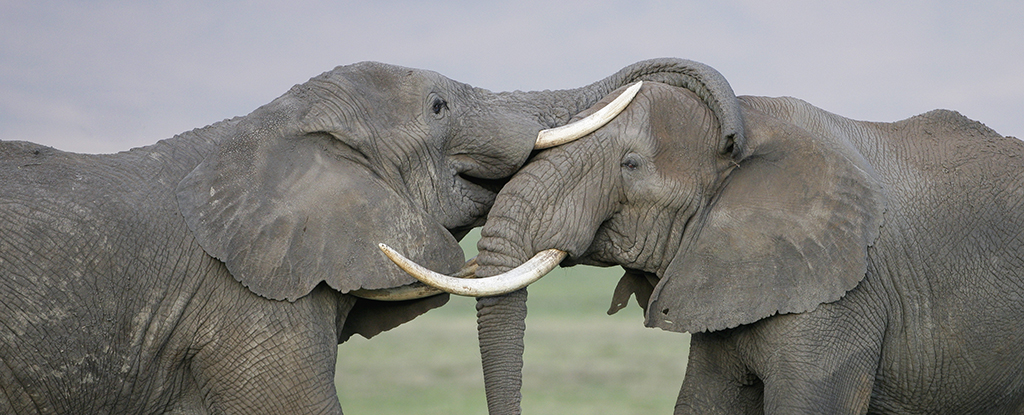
[(286, 207), (789, 230)]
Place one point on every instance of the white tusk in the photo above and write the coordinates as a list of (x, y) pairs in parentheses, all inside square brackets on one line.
[(513, 280), (415, 290), (560, 135)]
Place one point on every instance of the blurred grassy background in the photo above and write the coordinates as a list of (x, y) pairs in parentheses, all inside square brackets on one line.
[(578, 359)]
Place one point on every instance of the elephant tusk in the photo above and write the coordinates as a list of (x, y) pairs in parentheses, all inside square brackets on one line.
[(415, 290), (560, 135), (527, 273)]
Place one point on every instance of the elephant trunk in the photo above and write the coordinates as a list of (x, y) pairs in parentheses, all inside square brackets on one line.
[(555, 108), (524, 223), (501, 324)]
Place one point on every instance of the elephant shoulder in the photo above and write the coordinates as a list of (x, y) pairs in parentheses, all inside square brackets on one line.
[(85, 194), (802, 114), (943, 123), (29, 170), (948, 144), (15, 154)]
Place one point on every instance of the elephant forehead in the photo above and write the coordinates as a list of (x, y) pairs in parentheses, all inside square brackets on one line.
[(671, 125), (683, 125), (372, 72), (374, 95)]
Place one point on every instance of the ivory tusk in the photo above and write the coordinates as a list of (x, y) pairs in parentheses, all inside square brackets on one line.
[(560, 135), (415, 290), (523, 275)]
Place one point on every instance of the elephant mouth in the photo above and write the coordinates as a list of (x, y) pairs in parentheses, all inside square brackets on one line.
[(492, 186), (477, 196), (481, 194)]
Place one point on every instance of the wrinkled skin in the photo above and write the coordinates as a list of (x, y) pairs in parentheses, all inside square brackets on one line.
[(211, 272), (822, 264)]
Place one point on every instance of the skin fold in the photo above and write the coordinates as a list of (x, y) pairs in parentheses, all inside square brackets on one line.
[(212, 272), (822, 264)]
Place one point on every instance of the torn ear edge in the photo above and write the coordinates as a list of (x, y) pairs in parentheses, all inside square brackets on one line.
[(369, 318), (633, 283)]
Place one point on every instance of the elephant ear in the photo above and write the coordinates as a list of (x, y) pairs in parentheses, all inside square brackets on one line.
[(287, 207), (789, 230)]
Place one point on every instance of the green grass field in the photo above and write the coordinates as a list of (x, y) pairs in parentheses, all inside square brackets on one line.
[(578, 359)]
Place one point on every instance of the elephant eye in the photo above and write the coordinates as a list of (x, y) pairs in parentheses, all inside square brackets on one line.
[(630, 163), (439, 105)]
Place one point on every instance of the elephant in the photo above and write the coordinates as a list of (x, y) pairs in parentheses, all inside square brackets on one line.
[(218, 271), (821, 264)]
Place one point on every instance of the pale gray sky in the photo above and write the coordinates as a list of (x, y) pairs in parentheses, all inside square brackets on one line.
[(103, 76)]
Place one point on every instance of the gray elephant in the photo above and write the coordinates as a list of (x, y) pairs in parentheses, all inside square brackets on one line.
[(822, 264), (217, 271)]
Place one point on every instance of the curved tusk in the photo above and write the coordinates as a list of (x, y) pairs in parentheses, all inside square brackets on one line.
[(560, 135), (513, 280), (415, 290)]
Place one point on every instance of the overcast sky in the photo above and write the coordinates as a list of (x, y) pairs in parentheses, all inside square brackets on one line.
[(103, 76)]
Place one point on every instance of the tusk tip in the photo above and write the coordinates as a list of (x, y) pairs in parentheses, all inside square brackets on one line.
[(635, 88), (552, 137), (391, 253)]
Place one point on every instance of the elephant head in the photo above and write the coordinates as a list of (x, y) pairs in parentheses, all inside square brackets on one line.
[(306, 184), (717, 224)]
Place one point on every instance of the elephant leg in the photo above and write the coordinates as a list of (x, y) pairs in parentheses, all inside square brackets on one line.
[(717, 382), (835, 380), (824, 361), (276, 358), (270, 386)]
